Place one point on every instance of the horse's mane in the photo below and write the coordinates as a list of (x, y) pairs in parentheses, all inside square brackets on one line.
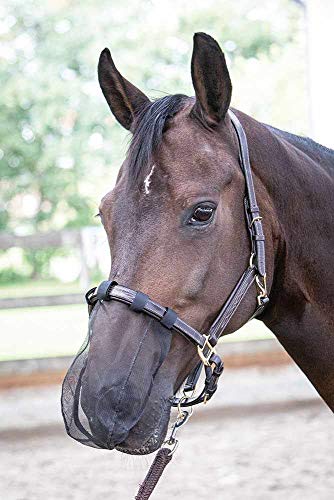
[(148, 129), (308, 145), (151, 122)]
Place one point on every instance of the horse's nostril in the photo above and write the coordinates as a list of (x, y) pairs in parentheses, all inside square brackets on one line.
[(106, 424), (116, 438), (106, 431)]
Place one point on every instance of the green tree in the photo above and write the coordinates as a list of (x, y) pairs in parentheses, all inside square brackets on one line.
[(60, 147)]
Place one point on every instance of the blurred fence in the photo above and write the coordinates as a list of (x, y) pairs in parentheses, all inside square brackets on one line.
[(41, 301), (88, 241)]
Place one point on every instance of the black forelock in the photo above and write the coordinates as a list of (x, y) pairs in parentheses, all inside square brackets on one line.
[(148, 128)]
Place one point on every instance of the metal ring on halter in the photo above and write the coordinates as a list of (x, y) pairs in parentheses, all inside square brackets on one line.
[(251, 258), (258, 217)]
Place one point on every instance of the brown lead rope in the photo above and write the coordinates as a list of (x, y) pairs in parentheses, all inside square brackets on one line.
[(162, 458)]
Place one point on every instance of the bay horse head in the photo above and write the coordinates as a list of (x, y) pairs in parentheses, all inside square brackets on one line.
[(176, 228)]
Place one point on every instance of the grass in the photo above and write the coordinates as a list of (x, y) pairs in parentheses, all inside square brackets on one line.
[(42, 332), (60, 331), (38, 287)]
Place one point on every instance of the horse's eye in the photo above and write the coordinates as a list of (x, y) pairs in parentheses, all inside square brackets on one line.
[(202, 214)]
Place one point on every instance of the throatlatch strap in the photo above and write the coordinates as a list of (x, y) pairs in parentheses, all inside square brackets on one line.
[(231, 305)]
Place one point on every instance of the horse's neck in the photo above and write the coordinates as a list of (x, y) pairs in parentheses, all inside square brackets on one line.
[(298, 191), (296, 197)]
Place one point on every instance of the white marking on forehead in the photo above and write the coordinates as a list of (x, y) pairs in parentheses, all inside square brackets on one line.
[(207, 148), (148, 180)]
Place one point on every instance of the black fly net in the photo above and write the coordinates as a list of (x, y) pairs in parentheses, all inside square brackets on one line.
[(76, 400), (76, 422)]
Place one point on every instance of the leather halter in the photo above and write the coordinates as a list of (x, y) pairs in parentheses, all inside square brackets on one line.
[(255, 272)]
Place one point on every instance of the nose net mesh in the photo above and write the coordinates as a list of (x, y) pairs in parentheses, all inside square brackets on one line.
[(76, 422), (151, 342)]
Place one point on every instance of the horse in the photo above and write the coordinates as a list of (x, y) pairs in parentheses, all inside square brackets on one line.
[(176, 229)]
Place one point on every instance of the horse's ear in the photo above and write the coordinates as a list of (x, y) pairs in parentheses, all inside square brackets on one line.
[(211, 80), (124, 99)]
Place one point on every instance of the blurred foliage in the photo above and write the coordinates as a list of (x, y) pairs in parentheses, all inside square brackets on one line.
[(39, 260), (11, 275), (60, 146), (28, 264)]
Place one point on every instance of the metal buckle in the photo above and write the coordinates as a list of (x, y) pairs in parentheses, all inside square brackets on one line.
[(90, 296), (206, 357), (262, 288), (206, 398), (257, 218)]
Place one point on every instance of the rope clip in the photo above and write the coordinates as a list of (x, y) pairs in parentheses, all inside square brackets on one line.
[(182, 418)]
